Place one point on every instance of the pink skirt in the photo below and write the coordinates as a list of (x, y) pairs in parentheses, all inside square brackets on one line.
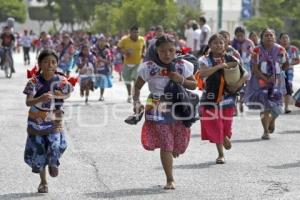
[(173, 137), (118, 67), (216, 124)]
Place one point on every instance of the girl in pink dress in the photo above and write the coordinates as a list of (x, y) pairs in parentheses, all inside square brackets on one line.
[(218, 98), (161, 129)]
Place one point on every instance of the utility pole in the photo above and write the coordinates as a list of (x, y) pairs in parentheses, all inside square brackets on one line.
[(220, 10)]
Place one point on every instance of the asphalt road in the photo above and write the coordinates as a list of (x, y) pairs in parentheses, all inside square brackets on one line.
[(105, 159)]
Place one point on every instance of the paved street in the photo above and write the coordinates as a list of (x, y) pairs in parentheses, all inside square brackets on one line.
[(105, 159)]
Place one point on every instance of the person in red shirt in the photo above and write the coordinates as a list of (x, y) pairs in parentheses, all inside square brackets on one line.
[(7, 41)]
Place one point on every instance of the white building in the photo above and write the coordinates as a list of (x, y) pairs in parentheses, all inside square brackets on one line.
[(230, 17), (231, 12)]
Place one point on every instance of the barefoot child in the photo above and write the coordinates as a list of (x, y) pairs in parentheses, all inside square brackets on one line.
[(103, 66), (85, 65), (161, 129), (45, 96)]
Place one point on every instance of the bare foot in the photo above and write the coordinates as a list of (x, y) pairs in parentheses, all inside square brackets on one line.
[(227, 143), (43, 188), (170, 185), (175, 155), (265, 136), (53, 171), (272, 127)]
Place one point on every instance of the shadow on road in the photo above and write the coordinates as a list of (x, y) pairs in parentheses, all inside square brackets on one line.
[(294, 112), (289, 132), (247, 140), (19, 196), (286, 166), (195, 136), (127, 192), (195, 166)]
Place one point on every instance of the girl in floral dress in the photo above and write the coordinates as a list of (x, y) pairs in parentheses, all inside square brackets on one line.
[(267, 86), (103, 66), (160, 129), (293, 59), (46, 139), (86, 65)]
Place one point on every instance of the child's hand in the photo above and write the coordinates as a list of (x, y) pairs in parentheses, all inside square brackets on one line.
[(231, 65), (138, 107), (174, 76), (46, 97), (232, 88)]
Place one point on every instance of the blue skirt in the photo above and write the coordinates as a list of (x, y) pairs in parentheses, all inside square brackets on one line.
[(257, 98), (103, 81), (41, 151), (66, 67)]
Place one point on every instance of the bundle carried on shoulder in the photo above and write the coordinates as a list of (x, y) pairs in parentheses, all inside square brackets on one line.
[(232, 74)]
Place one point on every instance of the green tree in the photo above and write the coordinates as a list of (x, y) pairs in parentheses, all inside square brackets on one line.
[(12, 8), (80, 12), (259, 23), (282, 15), (112, 18), (106, 17), (185, 14)]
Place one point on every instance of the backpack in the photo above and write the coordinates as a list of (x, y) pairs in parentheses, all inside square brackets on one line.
[(192, 59)]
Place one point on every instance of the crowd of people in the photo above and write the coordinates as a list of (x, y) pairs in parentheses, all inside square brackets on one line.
[(255, 71)]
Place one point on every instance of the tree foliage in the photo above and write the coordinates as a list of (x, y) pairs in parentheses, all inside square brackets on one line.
[(40, 13), (12, 8), (259, 23), (282, 15), (111, 18)]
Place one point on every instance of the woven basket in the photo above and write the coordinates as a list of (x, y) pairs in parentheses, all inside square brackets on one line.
[(232, 75)]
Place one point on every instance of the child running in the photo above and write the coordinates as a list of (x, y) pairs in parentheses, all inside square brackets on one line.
[(85, 64), (45, 96)]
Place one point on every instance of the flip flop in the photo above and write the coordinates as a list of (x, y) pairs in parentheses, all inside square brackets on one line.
[(134, 119), (220, 160), (43, 188)]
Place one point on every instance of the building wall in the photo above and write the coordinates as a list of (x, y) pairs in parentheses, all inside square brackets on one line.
[(230, 17)]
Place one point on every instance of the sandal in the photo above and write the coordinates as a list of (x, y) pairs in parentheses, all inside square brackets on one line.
[(53, 171), (43, 188), (227, 143), (220, 160)]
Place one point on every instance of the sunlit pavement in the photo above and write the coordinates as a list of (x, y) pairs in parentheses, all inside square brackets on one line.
[(105, 159)]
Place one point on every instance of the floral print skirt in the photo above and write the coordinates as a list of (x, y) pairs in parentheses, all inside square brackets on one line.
[(41, 151)]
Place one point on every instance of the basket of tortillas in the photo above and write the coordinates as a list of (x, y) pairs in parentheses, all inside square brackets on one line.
[(232, 73)]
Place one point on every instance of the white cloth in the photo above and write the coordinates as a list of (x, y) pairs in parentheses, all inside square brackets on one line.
[(196, 36), (188, 34), (205, 29), (26, 41), (156, 75)]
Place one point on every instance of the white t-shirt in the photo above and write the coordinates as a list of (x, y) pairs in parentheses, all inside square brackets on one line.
[(205, 29), (188, 34), (157, 78), (26, 41), (87, 70), (196, 36)]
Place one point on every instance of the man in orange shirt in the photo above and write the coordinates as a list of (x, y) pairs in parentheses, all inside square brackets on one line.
[(132, 47)]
